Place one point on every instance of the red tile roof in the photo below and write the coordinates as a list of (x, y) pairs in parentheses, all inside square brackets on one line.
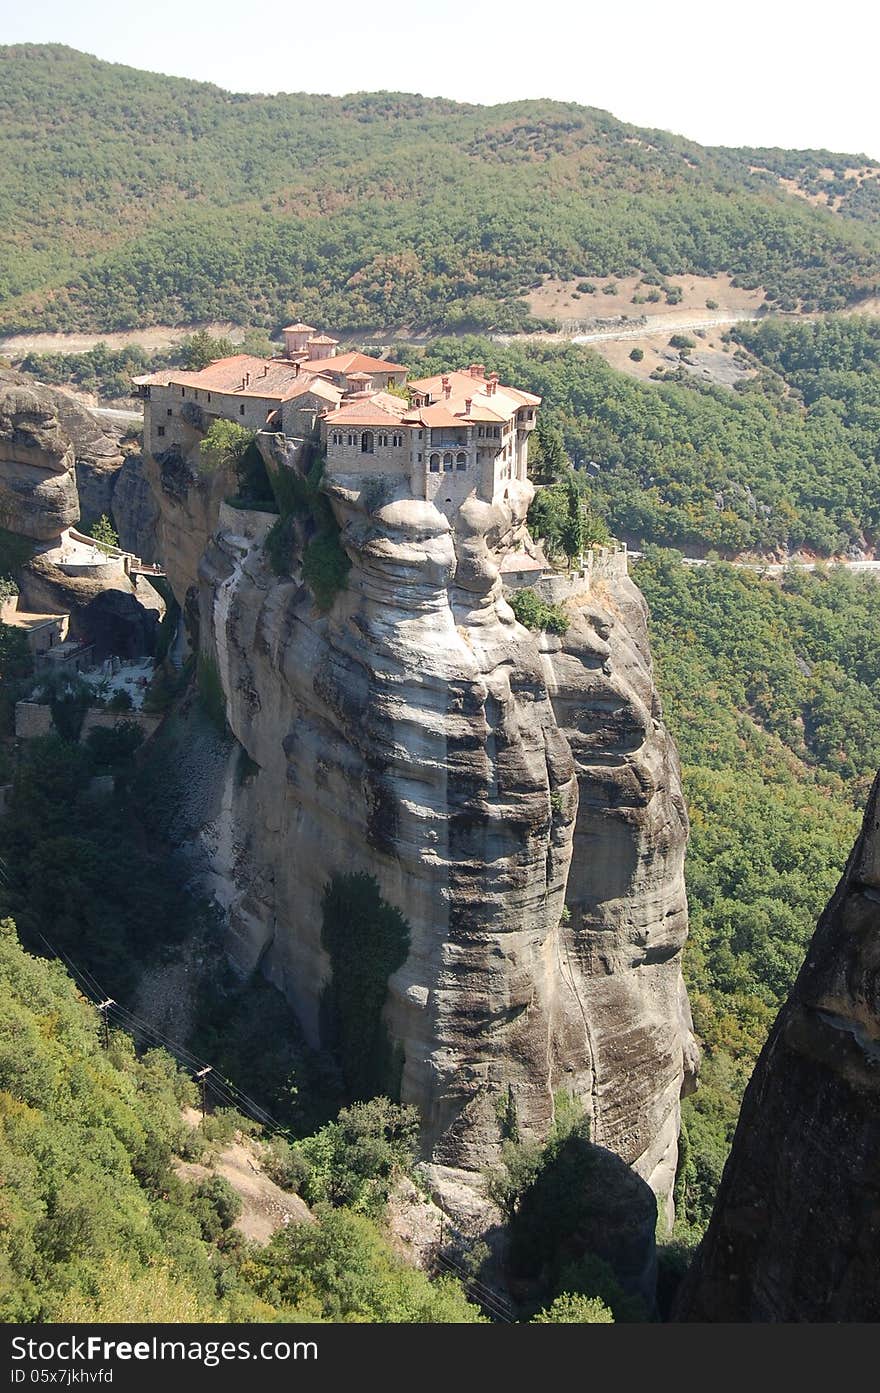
[(275, 379), (381, 409), (465, 386), (344, 363)]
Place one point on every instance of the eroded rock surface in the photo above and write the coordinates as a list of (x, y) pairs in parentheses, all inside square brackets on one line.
[(518, 801), (795, 1234), (38, 496)]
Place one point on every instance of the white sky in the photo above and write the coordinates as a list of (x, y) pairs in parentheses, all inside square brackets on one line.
[(745, 72)]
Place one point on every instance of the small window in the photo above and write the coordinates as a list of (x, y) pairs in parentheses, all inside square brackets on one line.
[(435, 464), (420, 456), (420, 435), (161, 430), (382, 440), (209, 396), (461, 462), (183, 391), (241, 409), (397, 441), (351, 440), (169, 412), (447, 462), (481, 432)]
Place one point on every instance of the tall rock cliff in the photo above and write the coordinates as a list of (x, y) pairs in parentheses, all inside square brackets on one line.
[(516, 799), (795, 1234)]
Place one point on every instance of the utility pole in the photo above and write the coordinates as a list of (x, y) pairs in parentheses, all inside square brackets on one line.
[(104, 1007), (201, 1075)]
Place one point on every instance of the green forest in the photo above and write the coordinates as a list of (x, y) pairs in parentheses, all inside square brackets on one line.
[(772, 692), (132, 199), (790, 461)]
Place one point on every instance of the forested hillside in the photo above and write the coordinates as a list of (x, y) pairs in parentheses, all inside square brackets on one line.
[(130, 198), (772, 692), (788, 461), (97, 1224)]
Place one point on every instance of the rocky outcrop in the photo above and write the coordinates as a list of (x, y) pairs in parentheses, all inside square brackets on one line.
[(133, 509), (38, 497), (188, 505), (625, 898), (795, 1234), (516, 800)]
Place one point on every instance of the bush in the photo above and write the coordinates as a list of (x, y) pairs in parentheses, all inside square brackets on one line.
[(120, 701), (114, 746), (586, 288), (711, 304), (355, 1160), (637, 354), (534, 613), (224, 446), (682, 341), (569, 1309)]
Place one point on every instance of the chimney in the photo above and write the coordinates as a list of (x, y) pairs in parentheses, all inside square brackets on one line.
[(247, 379), (467, 405), (447, 389), (296, 369), (265, 372)]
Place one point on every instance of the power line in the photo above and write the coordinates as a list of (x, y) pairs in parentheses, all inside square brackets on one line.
[(228, 1092)]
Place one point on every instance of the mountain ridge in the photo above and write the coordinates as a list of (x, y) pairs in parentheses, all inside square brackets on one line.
[(134, 198)]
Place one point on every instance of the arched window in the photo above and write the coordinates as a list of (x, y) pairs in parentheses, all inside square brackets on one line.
[(447, 461), (461, 461), (366, 442), (383, 440), (435, 464)]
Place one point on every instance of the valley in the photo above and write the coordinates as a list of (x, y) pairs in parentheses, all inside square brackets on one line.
[(431, 735)]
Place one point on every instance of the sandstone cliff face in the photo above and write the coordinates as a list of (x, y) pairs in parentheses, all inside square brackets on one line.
[(133, 509), (59, 463), (419, 733), (38, 497), (795, 1234)]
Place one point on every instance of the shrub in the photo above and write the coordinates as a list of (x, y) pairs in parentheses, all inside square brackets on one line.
[(570, 1309), (534, 613), (637, 354), (711, 304), (682, 341), (120, 701), (355, 1160), (586, 288), (610, 288), (112, 747), (224, 445)]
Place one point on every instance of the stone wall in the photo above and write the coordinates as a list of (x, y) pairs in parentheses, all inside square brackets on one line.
[(34, 718), (608, 564)]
